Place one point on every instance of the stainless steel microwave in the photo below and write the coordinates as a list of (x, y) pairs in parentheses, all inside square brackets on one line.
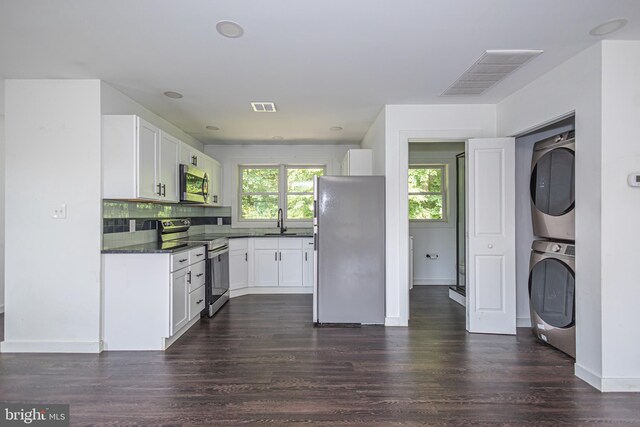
[(194, 184)]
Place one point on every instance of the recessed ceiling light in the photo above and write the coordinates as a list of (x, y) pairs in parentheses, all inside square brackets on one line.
[(212, 127), (229, 29), (263, 107), (335, 128), (277, 138), (608, 27), (174, 95)]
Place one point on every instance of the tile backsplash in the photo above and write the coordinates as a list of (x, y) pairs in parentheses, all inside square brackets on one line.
[(117, 216)]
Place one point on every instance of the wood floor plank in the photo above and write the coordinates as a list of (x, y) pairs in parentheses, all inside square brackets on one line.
[(260, 360)]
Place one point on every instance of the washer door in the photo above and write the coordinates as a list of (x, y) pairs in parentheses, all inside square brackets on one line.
[(552, 182), (552, 292)]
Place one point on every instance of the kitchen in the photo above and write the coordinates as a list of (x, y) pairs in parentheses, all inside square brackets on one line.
[(67, 283)]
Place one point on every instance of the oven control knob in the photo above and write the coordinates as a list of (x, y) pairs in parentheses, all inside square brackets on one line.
[(556, 248)]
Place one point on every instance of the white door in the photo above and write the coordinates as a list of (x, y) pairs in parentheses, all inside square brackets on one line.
[(168, 165), (148, 143), (491, 272), (265, 262), (290, 269), (179, 300)]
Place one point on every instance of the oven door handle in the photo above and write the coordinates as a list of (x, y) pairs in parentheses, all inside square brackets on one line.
[(213, 254)]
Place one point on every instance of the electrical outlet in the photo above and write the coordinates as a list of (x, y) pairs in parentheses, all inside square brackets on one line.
[(132, 226), (60, 211), (219, 221)]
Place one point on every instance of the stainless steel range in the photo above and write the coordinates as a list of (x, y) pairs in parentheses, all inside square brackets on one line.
[(173, 233), (217, 277)]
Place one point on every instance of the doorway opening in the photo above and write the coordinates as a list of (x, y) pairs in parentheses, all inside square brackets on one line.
[(434, 206)]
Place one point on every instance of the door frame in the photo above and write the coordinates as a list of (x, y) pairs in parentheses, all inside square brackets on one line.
[(402, 275)]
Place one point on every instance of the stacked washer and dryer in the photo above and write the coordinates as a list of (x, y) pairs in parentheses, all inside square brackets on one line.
[(552, 263)]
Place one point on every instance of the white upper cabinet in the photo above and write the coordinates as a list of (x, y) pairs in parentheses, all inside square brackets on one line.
[(168, 171), (358, 162), (192, 157), (139, 160)]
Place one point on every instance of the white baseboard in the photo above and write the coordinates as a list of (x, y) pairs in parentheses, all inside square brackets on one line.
[(185, 328), (270, 290), (51, 347), (394, 321), (523, 322), (460, 299), (433, 282), (607, 385)]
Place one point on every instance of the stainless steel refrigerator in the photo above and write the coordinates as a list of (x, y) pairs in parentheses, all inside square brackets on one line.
[(349, 276)]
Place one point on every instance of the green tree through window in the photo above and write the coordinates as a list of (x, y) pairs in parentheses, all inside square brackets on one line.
[(427, 192), (261, 192)]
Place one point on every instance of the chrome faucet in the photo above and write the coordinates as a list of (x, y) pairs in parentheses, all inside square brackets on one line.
[(280, 223)]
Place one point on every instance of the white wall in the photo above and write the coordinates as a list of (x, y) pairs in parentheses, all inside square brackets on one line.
[(53, 270), (2, 172), (115, 102), (375, 140), (620, 213), (436, 237), (231, 156), (574, 86), (403, 123)]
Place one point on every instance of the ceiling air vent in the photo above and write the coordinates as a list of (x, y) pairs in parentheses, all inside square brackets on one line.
[(493, 66), (263, 107)]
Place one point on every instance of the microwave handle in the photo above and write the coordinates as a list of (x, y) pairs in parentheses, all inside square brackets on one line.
[(205, 185)]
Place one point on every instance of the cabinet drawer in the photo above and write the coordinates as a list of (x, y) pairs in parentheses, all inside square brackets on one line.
[(307, 243), (197, 254), (237, 244), (196, 302), (265, 243), (290, 243), (197, 275), (179, 260)]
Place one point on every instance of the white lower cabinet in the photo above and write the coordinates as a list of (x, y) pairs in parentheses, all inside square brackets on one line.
[(179, 300), (307, 266), (151, 299), (238, 264), (277, 262)]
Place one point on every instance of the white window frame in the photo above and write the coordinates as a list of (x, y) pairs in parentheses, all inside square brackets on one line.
[(444, 190), (282, 193)]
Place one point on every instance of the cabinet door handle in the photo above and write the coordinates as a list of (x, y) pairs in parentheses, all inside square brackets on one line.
[(164, 190), (280, 256), (159, 189), (199, 301), (276, 254), (189, 277), (246, 257), (199, 275), (199, 254), (183, 260), (215, 199), (305, 256)]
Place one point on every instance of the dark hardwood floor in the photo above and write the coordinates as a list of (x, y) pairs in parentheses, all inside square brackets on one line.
[(260, 360)]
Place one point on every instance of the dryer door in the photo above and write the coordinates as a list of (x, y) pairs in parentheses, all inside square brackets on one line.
[(552, 182), (552, 292)]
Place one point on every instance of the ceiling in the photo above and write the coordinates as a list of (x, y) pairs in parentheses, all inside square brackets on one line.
[(324, 63)]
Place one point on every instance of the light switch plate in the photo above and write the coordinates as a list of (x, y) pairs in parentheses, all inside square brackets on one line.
[(219, 221), (60, 211), (132, 226)]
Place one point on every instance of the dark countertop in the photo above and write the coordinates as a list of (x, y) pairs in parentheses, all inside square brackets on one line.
[(173, 247), (152, 248)]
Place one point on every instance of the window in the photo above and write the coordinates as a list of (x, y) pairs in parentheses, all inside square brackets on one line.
[(265, 189), (427, 193)]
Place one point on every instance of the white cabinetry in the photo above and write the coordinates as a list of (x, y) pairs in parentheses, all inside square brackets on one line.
[(358, 162), (191, 156), (238, 264), (214, 170), (307, 266), (277, 262), (151, 299), (140, 161)]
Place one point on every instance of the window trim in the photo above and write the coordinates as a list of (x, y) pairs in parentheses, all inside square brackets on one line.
[(444, 191), (282, 193)]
